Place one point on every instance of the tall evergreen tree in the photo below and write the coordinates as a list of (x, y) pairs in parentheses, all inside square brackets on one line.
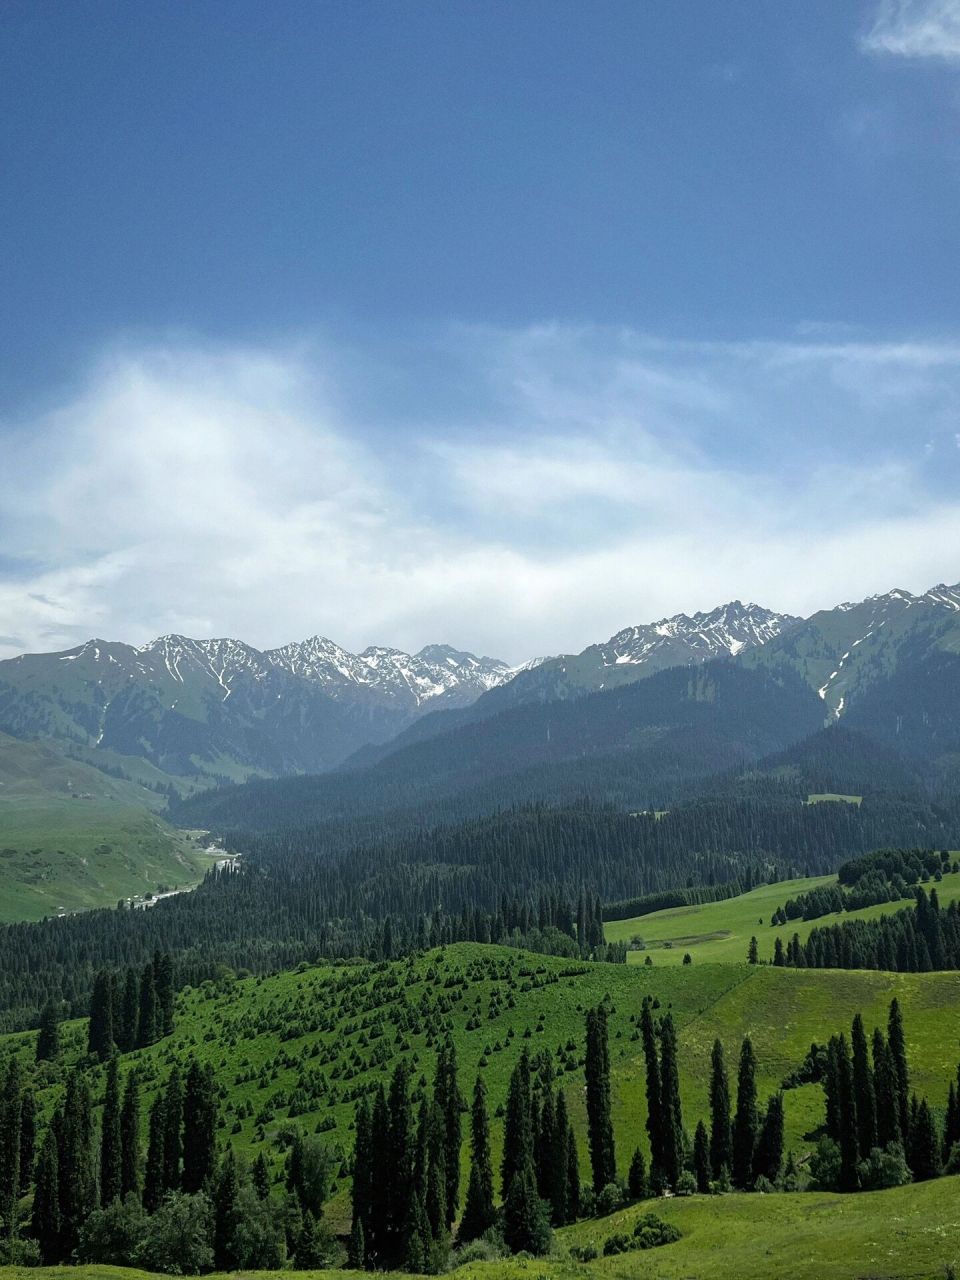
[(863, 1090), (448, 1098), (702, 1165), (897, 1044), (400, 1192), (558, 1176), (671, 1116), (11, 1113), (173, 1131), (721, 1134), (745, 1119), (654, 1092), (48, 1040), (147, 1019), (28, 1138), (525, 1224), (599, 1123), (924, 1151), (849, 1143), (225, 1192), (128, 1021), (111, 1179), (100, 1026), (637, 1176), (130, 1137), (200, 1108), (886, 1092), (77, 1183), (153, 1176), (45, 1219), (479, 1213), (573, 1177), (951, 1123), (768, 1157), (363, 1176), (163, 986), (518, 1124)]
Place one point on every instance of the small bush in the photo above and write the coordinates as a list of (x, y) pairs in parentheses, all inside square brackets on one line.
[(609, 1200), (618, 1243), (650, 1232), (584, 1252)]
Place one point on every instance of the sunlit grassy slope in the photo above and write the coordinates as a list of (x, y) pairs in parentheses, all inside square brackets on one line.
[(721, 931), (295, 1048), (71, 837)]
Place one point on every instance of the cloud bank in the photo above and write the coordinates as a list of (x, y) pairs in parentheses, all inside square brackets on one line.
[(532, 492), (916, 29)]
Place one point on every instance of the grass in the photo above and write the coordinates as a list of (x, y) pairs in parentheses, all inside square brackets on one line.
[(296, 1048), (721, 931), (827, 796), (72, 838), (910, 1233)]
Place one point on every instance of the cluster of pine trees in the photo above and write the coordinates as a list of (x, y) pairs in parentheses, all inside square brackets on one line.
[(129, 1011), (878, 1133), (885, 876), (921, 939)]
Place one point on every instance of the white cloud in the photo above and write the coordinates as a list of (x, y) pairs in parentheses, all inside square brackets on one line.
[(916, 29), (587, 480)]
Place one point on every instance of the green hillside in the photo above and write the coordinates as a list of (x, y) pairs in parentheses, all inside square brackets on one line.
[(298, 1048), (721, 931), (909, 1233), (71, 837)]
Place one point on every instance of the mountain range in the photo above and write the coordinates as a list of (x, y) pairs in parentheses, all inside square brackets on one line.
[(180, 712)]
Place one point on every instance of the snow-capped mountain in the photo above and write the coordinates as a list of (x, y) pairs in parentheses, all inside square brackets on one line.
[(728, 629), (222, 707), (842, 652)]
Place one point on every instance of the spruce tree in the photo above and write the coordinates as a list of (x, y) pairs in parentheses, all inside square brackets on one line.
[(448, 1098), (863, 1089), (479, 1213), (126, 1030), (147, 1020), (654, 1096), (885, 1090), (224, 1212), (173, 1131), (721, 1137), (573, 1177), (399, 1166), (637, 1176), (260, 1176), (153, 1178), (77, 1183), (28, 1138), (163, 986), (768, 1157), (130, 1138), (48, 1039), (11, 1111), (111, 1180), (558, 1177), (849, 1144), (518, 1124), (199, 1126), (45, 1219), (702, 1166), (526, 1227), (924, 1150), (100, 1026), (745, 1120), (363, 1175), (671, 1116), (753, 954), (951, 1125), (599, 1123), (897, 1044)]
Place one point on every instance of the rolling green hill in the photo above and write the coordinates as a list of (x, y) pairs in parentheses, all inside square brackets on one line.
[(299, 1048), (721, 931), (71, 837)]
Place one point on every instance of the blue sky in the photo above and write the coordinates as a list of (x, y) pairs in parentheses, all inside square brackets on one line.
[(501, 323)]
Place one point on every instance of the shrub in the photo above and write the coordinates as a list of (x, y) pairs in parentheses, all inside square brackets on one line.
[(618, 1243), (686, 1184), (650, 1232), (609, 1200), (584, 1252)]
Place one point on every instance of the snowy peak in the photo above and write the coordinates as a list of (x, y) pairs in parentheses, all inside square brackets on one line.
[(728, 629)]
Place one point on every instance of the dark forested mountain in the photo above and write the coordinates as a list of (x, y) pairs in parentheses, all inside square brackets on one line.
[(630, 746), (631, 655), (221, 709)]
